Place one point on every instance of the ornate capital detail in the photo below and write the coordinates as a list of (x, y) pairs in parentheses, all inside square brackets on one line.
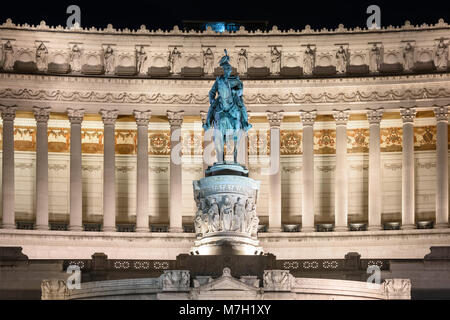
[(109, 116), (203, 114), (374, 115), (175, 118), (275, 118), (8, 113), (53, 289), (41, 114), (75, 115), (408, 114), (142, 117), (397, 288), (441, 113), (341, 117), (308, 117)]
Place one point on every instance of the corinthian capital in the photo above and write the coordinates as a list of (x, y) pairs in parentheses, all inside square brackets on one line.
[(408, 114), (41, 114), (8, 113), (142, 117), (374, 115), (308, 117), (109, 116), (441, 113), (175, 118), (275, 118), (341, 117), (75, 115)]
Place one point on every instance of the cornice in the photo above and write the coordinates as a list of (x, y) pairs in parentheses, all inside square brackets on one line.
[(143, 31)]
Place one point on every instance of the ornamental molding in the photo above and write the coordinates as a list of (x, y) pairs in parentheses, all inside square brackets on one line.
[(307, 30), (193, 99)]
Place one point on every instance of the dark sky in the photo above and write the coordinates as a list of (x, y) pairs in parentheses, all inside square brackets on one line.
[(166, 13)]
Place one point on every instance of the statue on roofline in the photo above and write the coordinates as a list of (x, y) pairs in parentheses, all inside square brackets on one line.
[(227, 113)]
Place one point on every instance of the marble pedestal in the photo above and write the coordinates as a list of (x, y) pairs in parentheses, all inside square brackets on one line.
[(226, 221)]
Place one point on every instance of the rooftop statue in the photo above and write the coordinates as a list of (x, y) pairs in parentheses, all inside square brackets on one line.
[(227, 113)]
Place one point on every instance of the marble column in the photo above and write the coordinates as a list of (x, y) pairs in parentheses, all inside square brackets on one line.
[(408, 211), (41, 114), (341, 173), (442, 167), (375, 192), (142, 119), (76, 192), (308, 118), (109, 118), (8, 220), (175, 190), (275, 119)]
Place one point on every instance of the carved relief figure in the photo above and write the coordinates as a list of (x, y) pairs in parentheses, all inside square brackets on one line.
[(42, 57), (276, 60), (408, 57), (109, 60), (208, 61), (309, 58), (213, 215), (8, 56), (75, 59), (242, 61), (226, 213), (141, 57), (175, 61), (201, 219), (375, 58), (341, 60), (239, 215), (441, 56)]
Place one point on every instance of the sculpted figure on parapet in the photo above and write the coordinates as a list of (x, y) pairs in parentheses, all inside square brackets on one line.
[(226, 213), (8, 56), (75, 59), (441, 55), (41, 57), (408, 57), (309, 60), (141, 57), (208, 61), (242, 62), (109, 60), (276, 60), (375, 58), (341, 60), (175, 61)]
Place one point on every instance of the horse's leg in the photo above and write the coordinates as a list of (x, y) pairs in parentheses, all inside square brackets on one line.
[(218, 144)]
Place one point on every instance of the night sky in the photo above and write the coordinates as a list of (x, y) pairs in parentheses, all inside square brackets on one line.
[(285, 14)]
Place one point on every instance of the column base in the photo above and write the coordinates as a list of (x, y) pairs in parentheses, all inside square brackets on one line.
[(307, 229), (441, 225), (8, 226), (75, 228), (375, 228), (142, 229), (42, 227), (408, 227), (176, 230), (340, 228), (275, 229), (109, 229)]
